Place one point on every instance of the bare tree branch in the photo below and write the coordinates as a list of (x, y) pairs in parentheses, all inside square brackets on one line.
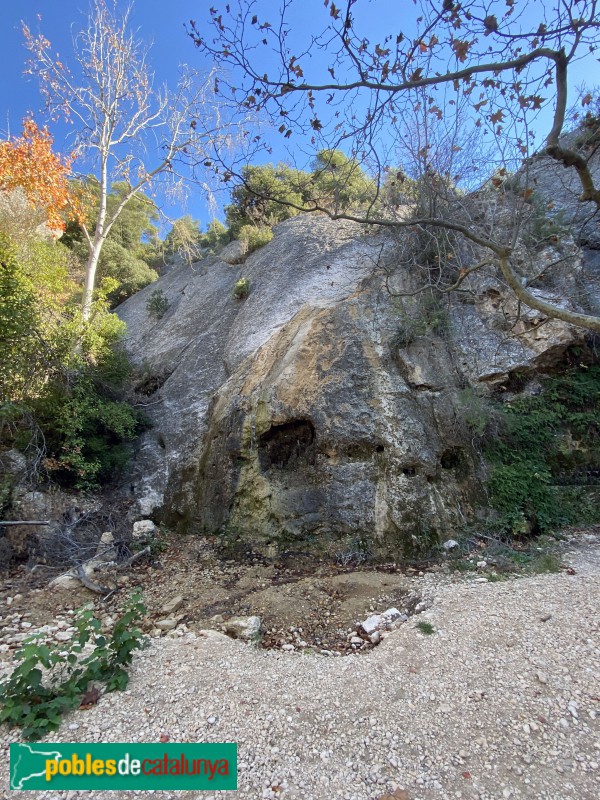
[(448, 73)]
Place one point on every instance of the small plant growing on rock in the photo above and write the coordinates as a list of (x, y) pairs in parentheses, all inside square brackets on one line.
[(35, 700), (428, 315), (426, 628), (252, 237), (157, 304), (241, 289)]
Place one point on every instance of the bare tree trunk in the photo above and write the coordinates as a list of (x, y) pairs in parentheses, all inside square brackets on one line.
[(90, 279), (95, 244)]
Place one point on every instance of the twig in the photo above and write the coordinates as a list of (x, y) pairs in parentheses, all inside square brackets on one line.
[(132, 559), (90, 584)]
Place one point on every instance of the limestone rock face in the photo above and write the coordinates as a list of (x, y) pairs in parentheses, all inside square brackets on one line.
[(561, 187), (299, 418)]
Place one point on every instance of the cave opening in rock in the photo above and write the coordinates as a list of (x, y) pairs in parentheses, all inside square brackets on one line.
[(287, 444), (455, 459), (451, 458)]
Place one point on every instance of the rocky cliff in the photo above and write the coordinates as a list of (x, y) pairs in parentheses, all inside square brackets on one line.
[(309, 414)]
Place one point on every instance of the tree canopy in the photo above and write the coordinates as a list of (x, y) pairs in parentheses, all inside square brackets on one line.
[(272, 193), (129, 130), (132, 248)]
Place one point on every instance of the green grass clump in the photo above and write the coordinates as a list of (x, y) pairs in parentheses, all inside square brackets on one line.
[(241, 289), (426, 628), (545, 562)]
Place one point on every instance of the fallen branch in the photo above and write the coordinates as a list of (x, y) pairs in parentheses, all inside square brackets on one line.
[(24, 522), (128, 562), (90, 584)]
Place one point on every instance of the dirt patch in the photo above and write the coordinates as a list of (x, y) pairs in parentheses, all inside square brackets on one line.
[(314, 607), (310, 605)]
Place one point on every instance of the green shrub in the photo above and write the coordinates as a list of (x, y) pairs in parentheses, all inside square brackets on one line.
[(216, 237), (241, 289), (157, 304), (253, 237), (85, 431), (427, 313), (541, 458), (479, 413), (35, 701), (61, 378)]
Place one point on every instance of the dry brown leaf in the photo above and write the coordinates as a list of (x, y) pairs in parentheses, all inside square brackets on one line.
[(89, 698)]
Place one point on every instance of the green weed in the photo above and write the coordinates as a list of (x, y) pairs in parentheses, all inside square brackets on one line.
[(426, 628), (35, 700)]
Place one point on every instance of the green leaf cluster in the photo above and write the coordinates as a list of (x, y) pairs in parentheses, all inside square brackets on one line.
[(51, 680), (241, 289), (157, 304), (546, 460)]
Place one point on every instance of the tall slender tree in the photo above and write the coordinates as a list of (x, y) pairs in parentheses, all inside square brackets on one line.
[(127, 129)]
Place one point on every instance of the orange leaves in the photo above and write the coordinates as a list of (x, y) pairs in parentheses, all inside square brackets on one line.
[(30, 164)]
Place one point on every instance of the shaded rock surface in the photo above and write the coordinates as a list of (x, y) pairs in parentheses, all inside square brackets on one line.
[(296, 418)]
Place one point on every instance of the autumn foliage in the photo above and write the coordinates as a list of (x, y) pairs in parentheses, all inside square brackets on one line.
[(30, 164)]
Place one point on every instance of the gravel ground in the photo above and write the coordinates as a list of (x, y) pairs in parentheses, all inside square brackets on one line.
[(502, 701)]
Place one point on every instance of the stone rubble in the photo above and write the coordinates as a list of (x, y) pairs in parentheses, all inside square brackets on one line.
[(499, 704), (246, 628)]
